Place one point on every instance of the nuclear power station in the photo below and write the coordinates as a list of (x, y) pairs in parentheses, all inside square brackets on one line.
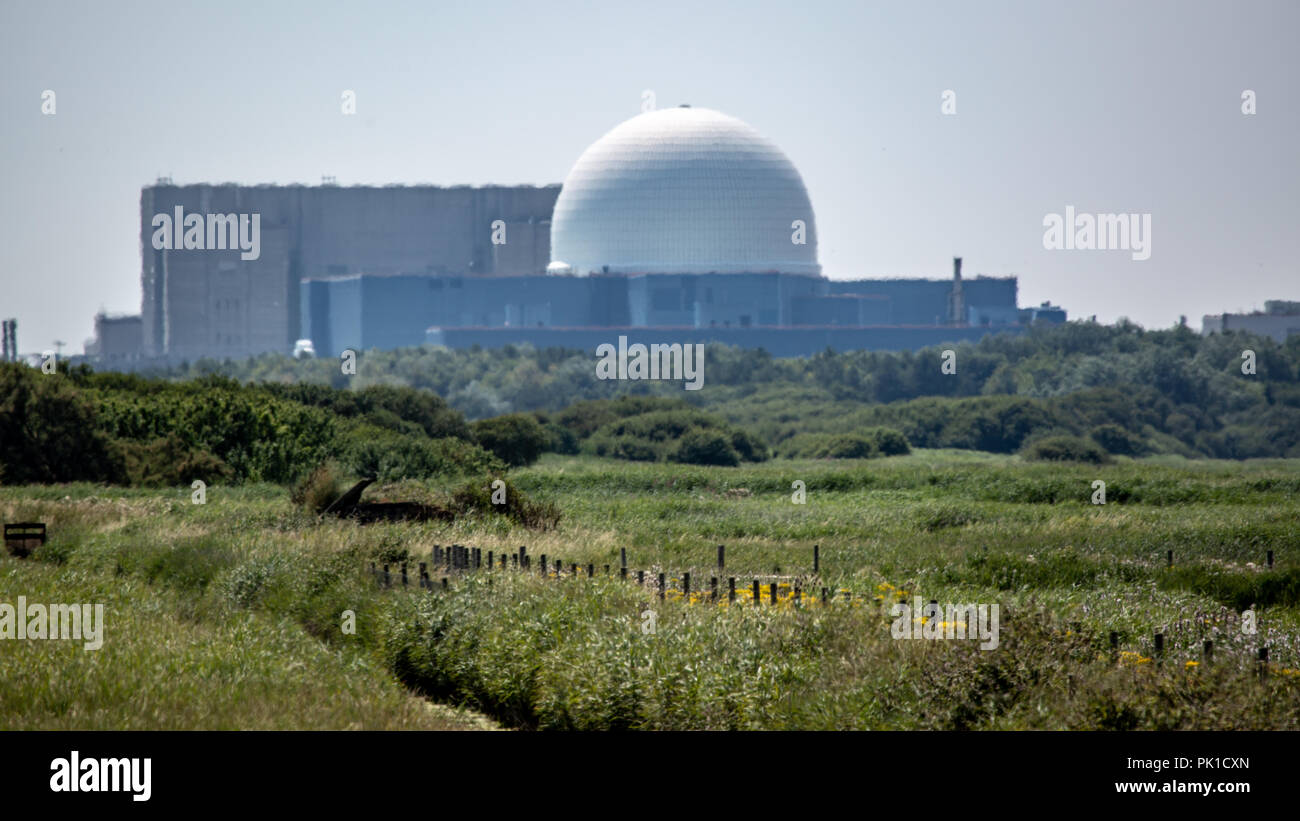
[(679, 225)]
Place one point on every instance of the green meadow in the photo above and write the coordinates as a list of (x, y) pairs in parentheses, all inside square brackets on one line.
[(231, 614)]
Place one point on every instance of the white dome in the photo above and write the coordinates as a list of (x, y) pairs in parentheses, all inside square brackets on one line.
[(683, 190)]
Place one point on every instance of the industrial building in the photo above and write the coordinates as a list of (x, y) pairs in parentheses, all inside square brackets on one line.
[(1279, 320), (205, 302), (679, 225)]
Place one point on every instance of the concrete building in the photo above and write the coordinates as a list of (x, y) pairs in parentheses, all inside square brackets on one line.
[(117, 338), (1279, 320), (215, 301)]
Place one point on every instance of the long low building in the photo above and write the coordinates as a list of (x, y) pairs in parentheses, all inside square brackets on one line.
[(786, 314)]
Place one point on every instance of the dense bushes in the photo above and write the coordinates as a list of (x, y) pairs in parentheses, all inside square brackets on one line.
[(666, 432), (867, 444), (107, 427), (1065, 449), (516, 439), (706, 447), (48, 431)]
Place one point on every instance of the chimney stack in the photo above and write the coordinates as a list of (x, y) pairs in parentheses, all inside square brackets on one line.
[(956, 299)]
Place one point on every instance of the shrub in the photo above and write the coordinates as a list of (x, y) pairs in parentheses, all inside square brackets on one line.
[(890, 442), (1065, 449), (748, 446), (1115, 439), (318, 489), (847, 446), (388, 456), (516, 439), (169, 462), (706, 447)]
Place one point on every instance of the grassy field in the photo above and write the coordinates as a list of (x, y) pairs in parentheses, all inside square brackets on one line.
[(228, 614)]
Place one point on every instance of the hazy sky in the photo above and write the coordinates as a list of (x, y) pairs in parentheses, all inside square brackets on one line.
[(1109, 107)]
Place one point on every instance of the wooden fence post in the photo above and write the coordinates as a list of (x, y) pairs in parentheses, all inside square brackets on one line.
[(758, 594), (640, 577), (1263, 662), (731, 588), (404, 580), (1160, 645), (1170, 558), (771, 590), (663, 585), (388, 580), (591, 570), (622, 558), (817, 558), (686, 585), (1270, 560), (713, 588), (722, 557), (1207, 651)]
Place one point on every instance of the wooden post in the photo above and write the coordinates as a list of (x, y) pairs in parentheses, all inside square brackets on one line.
[(1207, 651), (424, 576), (591, 570), (1160, 645), (771, 591), (722, 557), (543, 564), (404, 579), (490, 562), (663, 585), (686, 585), (388, 580), (575, 569), (622, 558), (640, 577), (1263, 662), (622, 572), (1114, 645), (758, 595), (731, 588), (1270, 560), (514, 559), (817, 558), (713, 588), (444, 582), (1170, 557), (478, 558)]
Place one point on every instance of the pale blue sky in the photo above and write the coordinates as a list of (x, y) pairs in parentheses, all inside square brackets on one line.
[(1106, 106)]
